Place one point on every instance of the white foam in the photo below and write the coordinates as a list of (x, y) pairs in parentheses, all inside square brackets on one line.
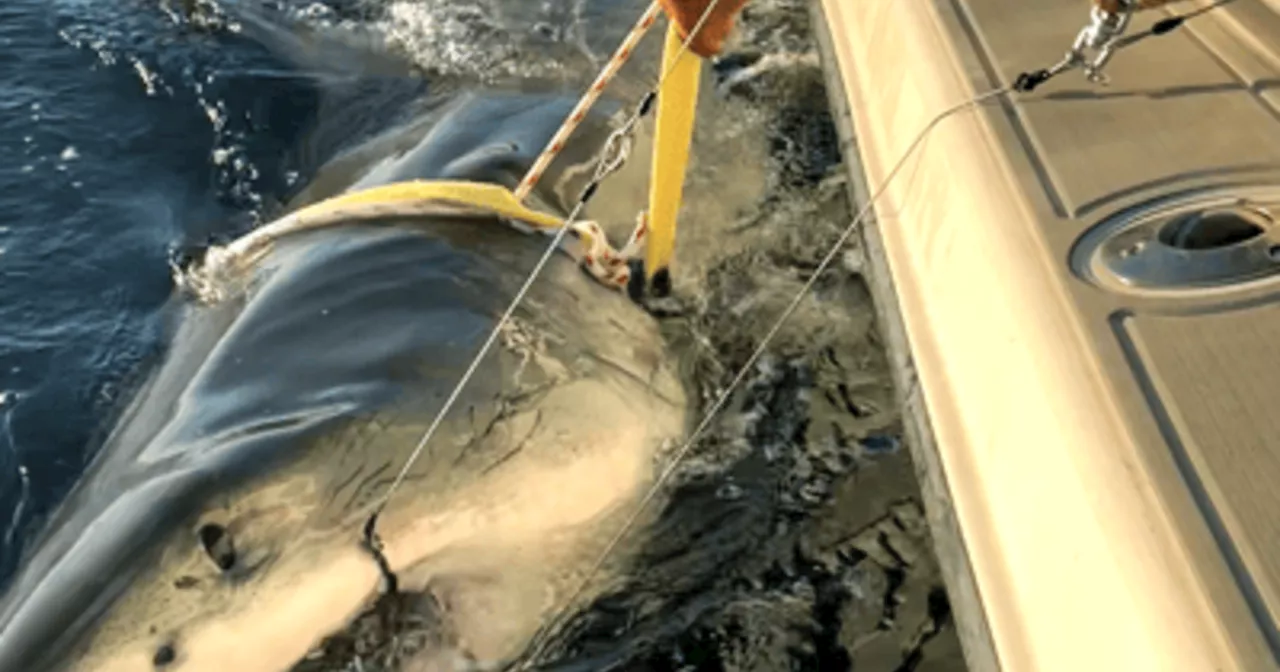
[(458, 37), (149, 78), (317, 12)]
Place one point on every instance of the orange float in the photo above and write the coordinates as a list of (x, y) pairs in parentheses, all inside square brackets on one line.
[(710, 38)]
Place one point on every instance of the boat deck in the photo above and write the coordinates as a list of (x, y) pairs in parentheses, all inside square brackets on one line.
[(1086, 284)]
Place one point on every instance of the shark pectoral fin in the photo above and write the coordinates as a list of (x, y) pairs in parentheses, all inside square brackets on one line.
[(677, 105)]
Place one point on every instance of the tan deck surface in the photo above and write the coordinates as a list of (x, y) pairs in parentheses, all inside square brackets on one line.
[(1110, 457)]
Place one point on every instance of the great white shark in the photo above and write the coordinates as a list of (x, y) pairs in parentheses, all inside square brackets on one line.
[(219, 526)]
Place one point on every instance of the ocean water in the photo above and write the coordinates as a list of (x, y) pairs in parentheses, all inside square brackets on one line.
[(133, 129)]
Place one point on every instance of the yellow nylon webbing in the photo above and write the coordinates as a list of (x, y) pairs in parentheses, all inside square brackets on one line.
[(677, 106)]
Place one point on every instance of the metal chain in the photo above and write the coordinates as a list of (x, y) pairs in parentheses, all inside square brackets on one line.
[(617, 150), (604, 168)]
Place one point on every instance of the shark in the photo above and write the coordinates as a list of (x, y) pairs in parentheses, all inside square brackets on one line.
[(219, 526)]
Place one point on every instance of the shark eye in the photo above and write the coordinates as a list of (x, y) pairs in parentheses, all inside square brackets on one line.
[(164, 656), (217, 543)]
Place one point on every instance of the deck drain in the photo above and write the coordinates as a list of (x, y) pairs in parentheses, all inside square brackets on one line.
[(1215, 239), (1212, 229)]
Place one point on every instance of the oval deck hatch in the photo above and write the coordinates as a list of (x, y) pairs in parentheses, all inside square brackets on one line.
[(1216, 239)]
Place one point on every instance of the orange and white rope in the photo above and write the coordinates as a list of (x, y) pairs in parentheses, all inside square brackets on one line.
[(590, 248), (600, 259), (557, 142)]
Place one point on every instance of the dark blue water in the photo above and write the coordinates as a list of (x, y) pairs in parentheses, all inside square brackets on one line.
[(125, 134)]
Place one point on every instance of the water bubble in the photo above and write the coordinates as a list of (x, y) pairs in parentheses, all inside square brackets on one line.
[(729, 492), (316, 11), (148, 77), (881, 444)]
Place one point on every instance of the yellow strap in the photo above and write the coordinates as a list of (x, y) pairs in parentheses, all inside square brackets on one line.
[(677, 103), (589, 246), (488, 198)]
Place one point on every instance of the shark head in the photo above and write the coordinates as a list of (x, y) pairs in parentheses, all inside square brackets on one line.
[(219, 527)]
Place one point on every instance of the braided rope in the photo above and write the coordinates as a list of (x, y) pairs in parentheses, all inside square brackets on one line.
[(579, 113)]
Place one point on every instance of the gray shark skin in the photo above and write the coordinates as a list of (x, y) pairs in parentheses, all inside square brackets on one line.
[(219, 526)]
